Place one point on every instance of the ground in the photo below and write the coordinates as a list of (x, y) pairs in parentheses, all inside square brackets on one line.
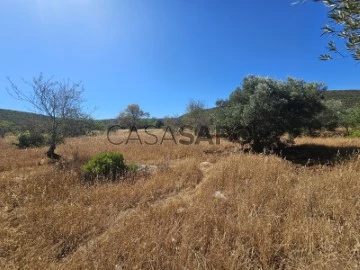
[(198, 207)]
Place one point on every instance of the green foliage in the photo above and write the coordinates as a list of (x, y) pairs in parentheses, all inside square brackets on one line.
[(331, 116), (348, 98), (14, 121), (266, 109), (77, 127), (132, 115), (355, 133), (147, 122), (131, 167), (158, 123), (341, 109), (106, 166), (6, 127), (172, 122), (345, 24), (351, 118), (27, 139)]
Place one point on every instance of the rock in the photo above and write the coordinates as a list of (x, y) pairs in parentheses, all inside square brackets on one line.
[(147, 168), (219, 195)]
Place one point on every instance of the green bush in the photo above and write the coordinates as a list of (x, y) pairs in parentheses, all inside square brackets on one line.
[(355, 133), (28, 139), (107, 166), (6, 127), (132, 167)]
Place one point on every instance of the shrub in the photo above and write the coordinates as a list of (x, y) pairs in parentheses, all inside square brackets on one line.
[(355, 133), (6, 127), (28, 139), (106, 166), (132, 167)]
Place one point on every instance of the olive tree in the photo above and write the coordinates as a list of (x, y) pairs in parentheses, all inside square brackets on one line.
[(263, 109), (351, 118), (60, 101), (331, 117)]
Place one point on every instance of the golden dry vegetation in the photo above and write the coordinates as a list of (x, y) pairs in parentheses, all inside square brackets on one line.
[(202, 207)]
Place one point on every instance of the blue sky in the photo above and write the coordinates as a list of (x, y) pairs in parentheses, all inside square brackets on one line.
[(161, 54)]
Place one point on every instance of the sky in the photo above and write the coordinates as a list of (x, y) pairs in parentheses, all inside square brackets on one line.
[(161, 54)]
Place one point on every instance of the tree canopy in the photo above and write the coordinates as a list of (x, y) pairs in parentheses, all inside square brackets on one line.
[(264, 109), (131, 115)]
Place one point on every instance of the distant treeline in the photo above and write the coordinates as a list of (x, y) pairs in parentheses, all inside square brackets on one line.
[(349, 98), (14, 121)]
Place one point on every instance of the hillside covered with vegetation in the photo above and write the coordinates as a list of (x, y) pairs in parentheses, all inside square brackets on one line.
[(15, 121), (349, 98)]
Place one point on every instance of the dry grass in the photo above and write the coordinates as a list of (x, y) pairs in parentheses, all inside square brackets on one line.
[(242, 211)]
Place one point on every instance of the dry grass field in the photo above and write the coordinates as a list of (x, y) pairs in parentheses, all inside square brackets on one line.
[(201, 207)]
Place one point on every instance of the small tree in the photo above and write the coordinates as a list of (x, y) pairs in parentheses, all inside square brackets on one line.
[(330, 117), (197, 115), (131, 115), (60, 101), (173, 122), (351, 118)]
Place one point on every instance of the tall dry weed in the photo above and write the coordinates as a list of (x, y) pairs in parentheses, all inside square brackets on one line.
[(240, 211)]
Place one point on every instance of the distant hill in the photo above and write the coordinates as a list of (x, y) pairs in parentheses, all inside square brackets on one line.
[(105, 123), (16, 120), (13, 121), (349, 98), (21, 118)]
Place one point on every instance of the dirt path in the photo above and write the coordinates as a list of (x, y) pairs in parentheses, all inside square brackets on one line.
[(183, 195)]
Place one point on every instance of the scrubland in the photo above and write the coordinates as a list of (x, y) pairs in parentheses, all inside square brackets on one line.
[(199, 207)]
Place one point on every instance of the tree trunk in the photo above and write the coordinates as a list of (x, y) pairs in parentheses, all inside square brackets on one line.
[(51, 152)]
